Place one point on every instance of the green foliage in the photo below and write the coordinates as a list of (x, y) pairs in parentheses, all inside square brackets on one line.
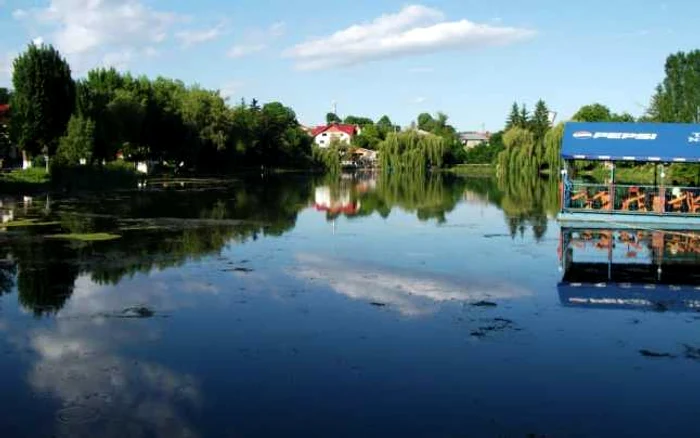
[(597, 112), (677, 97), (360, 121), (412, 152), (43, 99), (329, 158), (519, 117), (78, 143), (332, 118), (486, 153), (539, 124)]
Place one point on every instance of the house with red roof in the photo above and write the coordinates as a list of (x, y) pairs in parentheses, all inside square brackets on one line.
[(4, 113), (324, 135)]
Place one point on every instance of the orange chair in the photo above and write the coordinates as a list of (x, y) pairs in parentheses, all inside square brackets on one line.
[(693, 203)]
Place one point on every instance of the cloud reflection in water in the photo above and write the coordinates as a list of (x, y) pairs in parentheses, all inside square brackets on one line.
[(411, 293)]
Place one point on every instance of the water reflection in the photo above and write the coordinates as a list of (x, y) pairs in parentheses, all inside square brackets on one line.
[(407, 291), (628, 268)]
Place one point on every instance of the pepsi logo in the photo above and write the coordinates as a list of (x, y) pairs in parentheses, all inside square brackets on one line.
[(583, 134)]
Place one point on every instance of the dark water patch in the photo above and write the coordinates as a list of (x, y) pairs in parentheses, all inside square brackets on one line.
[(484, 304), (655, 354)]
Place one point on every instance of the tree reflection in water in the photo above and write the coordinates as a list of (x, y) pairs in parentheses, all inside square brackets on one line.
[(163, 227)]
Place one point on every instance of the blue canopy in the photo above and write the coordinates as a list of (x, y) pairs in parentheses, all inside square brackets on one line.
[(656, 142), (630, 296)]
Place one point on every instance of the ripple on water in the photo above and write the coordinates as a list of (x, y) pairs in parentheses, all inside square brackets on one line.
[(77, 414)]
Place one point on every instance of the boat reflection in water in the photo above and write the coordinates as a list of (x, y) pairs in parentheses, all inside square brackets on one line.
[(630, 269)]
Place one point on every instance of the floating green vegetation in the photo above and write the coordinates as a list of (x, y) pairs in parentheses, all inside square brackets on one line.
[(86, 237), (29, 223)]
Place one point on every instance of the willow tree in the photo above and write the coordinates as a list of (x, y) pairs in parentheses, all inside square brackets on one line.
[(411, 151), (552, 146), (519, 152)]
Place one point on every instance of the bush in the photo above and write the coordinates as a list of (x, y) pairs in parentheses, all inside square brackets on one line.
[(76, 177)]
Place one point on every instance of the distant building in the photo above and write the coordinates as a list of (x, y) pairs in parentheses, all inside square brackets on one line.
[(324, 135), (472, 139)]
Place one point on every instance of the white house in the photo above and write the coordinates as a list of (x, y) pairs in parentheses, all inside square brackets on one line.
[(324, 135)]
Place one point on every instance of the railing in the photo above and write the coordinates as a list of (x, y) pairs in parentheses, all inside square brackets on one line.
[(632, 198)]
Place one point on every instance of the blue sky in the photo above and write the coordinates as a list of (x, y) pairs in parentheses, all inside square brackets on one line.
[(468, 58)]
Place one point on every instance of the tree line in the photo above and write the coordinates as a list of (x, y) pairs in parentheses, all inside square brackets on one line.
[(530, 143), (108, 114)]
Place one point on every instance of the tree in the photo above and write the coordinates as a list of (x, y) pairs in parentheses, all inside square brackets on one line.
[(426, 122), (677, 98), (385, 126), (332, 118), (539, 123), (43, 99), (514, 117), (78, 142), (524, 117), (595, 112), (359, 121)]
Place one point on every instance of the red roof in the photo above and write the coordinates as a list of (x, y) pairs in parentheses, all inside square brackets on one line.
[(334, 127), (4, 108)]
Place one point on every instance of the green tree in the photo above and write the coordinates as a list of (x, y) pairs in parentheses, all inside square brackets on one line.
[(514, 119), (360, 121), (539, 123), (332, 118), (677, 98), (43, 99), (78, 142), (384, 125), (595, 112)]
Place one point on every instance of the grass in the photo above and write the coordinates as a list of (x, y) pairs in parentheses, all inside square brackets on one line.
[(86, 237), (28, 180), (28, 223), (479, 170)]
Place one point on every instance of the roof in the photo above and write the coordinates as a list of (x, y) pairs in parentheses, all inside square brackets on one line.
[(470, 136), (656, 142), (4, 108), (334, 127)]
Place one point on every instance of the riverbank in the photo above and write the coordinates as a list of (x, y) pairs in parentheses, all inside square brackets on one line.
[(69, 178), (473, 170)]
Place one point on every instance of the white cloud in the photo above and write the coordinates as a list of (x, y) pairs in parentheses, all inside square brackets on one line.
[(413, 30), (257, 40), (419, 100), (242, 50), (189, 38), (38, 41), (87, 31), (408, 292)]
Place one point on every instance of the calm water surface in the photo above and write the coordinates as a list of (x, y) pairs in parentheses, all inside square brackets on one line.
[(366, 307)]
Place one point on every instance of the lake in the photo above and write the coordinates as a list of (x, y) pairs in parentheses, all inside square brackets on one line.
[(361, 306)]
